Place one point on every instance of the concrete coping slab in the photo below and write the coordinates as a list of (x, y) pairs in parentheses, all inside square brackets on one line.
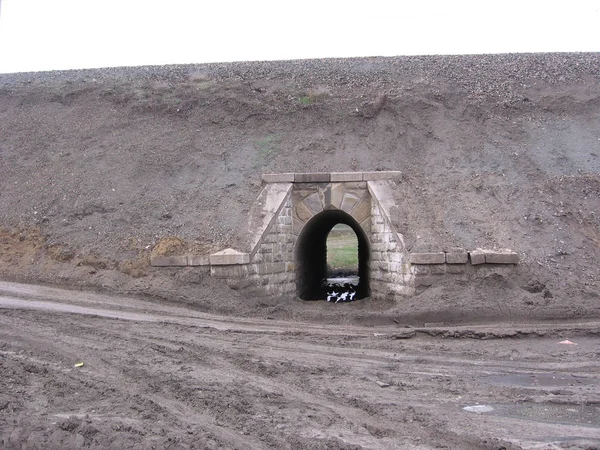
[(198, 260), (229, 257), (179, 260), (382, 175), (477, 257), (324, 177), (328, 177), (457, 257), (278, 177), (501, 257), (428, 258), (483, 256), (337, 177)]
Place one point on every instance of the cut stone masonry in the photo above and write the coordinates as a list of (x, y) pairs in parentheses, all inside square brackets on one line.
[(288, 225)]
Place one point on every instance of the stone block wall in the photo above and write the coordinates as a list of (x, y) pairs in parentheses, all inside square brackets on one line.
[(270, 268), (432, 268), (390, 270), (309, 199)]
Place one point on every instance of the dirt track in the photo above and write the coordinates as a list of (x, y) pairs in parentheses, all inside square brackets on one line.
[(160, 376)]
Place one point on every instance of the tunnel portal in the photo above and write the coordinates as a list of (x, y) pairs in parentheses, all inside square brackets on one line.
[(311, 254)]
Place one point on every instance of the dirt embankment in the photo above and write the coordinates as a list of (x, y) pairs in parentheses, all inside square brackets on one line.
[(497, 151)]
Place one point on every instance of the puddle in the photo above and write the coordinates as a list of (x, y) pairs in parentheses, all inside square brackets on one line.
[(588, 415), (542, 380)]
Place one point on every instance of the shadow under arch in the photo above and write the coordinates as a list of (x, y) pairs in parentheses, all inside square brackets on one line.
[(311, 254)]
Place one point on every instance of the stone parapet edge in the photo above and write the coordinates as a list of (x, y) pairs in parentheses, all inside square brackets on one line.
[(270, 224), (331, 177), (475, 257)]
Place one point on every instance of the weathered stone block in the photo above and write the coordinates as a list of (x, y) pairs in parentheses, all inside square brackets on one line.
[(169, 261), (362, 211), (297, 226), (313, 203), (477, 257), (234, 271), (383, 175), (377, 218), (284, 220), (377, 256), (266, 248), (346, 176), (349, 202), (408, 278), (356, 185), (455, 268), (400, 289), (428, 258), (421, 269), (457, 258), (366, 225), (278, 177), (395, 257), (395, 267), (335, 196), (312, 177), (437, 269), (271, 268), (229, 256), (378, 247), (375, 265), (501, 258), (198, 260)]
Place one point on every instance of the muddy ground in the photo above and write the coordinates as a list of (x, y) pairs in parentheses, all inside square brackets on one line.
[(162, 376)]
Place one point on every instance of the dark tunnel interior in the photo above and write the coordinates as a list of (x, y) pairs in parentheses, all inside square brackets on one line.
[(311, 255)]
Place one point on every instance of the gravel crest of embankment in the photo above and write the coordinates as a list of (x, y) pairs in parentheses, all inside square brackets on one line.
[(487, 72)]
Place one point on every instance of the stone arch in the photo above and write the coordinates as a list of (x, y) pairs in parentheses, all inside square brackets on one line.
[(311, 254)]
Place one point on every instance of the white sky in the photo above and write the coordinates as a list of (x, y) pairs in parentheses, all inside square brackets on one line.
[(70, 34)]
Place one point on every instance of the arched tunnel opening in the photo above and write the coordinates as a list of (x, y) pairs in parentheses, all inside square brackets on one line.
[(311, 255)]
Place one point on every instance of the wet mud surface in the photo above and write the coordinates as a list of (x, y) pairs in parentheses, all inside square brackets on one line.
[(162, 376)]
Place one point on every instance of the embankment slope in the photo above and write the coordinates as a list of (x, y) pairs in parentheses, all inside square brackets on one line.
[(496, 151)]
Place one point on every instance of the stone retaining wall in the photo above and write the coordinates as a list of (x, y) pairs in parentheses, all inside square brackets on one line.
[(431, 268), (270, 269), (390, 270)]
